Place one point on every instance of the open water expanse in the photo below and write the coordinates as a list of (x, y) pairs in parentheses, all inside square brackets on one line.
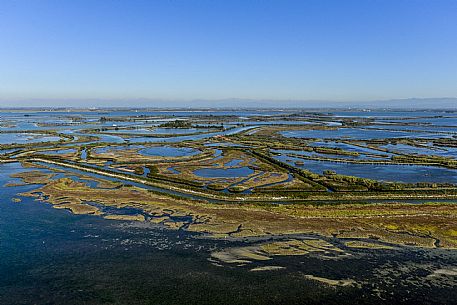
[(51, 256)]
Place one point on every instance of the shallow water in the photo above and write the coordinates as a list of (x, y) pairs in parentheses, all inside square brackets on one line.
[(188, 137), (396, 173), (58, 152), (233, 163), (52, 256), (409, 149), (168, 151), (318, 155), (350, 147), (24, 138), (358, 134), (392, 114), (420, 128), (163, 151)]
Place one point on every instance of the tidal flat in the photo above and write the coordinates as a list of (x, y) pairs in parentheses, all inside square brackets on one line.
[(226, 215)]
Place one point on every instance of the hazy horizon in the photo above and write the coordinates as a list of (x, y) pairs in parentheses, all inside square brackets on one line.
[(410, 103)]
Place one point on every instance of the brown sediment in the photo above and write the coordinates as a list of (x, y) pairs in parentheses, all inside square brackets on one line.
[(366, 245), (408, 224), (240, 255), (79, 208), (125, 217), (299, 247), (33, 177), (267, 268), (267, 250), (331, 282), (264, 173)]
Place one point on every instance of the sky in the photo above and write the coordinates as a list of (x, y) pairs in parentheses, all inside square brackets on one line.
[(127, 51)]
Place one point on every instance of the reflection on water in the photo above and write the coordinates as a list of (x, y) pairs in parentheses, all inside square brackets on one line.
[(50, 256), (430, 150), (168, 151), (58, 152), (24, 138), (384, 172), (358, 134), (162, 151)]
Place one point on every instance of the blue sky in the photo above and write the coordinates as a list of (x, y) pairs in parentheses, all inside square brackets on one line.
[(210, 49)]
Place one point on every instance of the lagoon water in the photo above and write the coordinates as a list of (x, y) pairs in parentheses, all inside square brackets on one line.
[(59, 152), (422, 150), (359, 134), (168, 151), (23, 138), (162, 151), (50, 256), (382, 172)]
